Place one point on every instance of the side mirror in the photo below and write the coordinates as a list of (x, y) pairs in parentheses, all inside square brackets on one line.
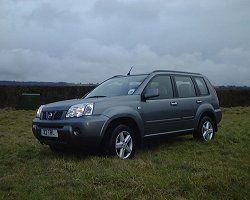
[(150, 93)]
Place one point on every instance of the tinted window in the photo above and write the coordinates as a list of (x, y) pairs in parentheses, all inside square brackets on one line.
[(164, 85), (201, 85), (185, 86)]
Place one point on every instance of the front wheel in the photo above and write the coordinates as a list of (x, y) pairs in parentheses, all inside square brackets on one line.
[(206, 129), (122, 142)]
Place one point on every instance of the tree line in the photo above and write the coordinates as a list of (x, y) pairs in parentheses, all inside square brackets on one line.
[(30, 97)]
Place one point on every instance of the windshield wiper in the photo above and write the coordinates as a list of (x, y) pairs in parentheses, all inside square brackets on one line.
[(96, 97)]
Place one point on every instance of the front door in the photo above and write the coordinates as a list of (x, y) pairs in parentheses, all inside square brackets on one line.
[(160, 113)]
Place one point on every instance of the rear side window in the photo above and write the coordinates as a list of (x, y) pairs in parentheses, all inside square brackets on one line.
[(201, 85), (163, 84), (185, 86)]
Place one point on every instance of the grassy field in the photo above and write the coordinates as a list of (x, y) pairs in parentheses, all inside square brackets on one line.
[(177, 168)]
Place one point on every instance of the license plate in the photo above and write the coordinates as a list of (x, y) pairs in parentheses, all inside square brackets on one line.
[(49, 133)]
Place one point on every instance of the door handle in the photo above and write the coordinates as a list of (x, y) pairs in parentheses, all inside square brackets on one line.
[(199, 101), (173, 103)]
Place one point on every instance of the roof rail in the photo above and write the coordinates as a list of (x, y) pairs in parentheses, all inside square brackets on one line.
[(116, 76), (172, 71)]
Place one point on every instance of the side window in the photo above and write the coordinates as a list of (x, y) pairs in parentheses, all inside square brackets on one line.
[(164, 85), (201, 85), (185, 86)]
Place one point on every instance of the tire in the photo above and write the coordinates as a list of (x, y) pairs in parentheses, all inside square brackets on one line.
[(122, 142), (206, 130)]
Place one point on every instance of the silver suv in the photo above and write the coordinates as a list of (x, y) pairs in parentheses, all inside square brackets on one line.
[(124, 110)]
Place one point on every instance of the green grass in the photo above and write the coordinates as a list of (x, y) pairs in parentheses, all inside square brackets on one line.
[(177, 168)]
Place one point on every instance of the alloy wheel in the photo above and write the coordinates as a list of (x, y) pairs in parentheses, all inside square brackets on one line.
[(207, 131), (124, 144)]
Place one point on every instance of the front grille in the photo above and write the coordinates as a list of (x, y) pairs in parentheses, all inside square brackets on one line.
[(58, 115), (52, 115)]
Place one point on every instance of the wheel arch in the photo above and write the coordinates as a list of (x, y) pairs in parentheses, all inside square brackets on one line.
[(126, 120), (211, 115)]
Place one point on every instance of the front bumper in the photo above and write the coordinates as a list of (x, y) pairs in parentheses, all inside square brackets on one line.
[(83, 131)]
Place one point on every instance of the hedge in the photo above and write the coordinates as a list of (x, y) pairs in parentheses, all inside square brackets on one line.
[(18, 96)]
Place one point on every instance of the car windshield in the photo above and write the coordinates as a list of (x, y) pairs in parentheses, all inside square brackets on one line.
[(117, 86)]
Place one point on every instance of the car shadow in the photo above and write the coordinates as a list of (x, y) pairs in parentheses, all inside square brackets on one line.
[(79, 152), (169, 140), (151, 143)]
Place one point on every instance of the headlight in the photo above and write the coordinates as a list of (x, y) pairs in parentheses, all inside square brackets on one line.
[(80, 110), (39, 111)]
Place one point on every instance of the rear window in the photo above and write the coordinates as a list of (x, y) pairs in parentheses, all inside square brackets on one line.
[(201, 85), (185, 86)]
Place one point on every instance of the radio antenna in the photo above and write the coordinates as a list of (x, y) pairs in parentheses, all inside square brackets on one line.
[(129, 71)]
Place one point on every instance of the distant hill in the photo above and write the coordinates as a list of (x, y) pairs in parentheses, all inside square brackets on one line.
[(34, 83)]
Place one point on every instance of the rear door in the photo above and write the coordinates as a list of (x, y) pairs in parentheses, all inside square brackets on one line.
[(187, 101)]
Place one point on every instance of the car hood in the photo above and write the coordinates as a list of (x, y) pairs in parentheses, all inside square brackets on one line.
[(65, 105)]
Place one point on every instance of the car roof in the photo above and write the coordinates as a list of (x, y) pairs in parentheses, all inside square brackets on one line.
[(159, 72)]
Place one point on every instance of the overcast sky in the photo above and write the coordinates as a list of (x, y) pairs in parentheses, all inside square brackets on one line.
[(88, 41)]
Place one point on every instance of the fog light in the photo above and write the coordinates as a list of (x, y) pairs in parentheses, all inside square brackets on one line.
[(76, 131)]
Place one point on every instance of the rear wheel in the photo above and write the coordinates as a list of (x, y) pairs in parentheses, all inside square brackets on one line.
[(206, 129), (122, 142)]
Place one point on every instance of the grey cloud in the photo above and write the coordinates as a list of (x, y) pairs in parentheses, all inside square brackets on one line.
[(88, 41), (110, 61), (49, 15)]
